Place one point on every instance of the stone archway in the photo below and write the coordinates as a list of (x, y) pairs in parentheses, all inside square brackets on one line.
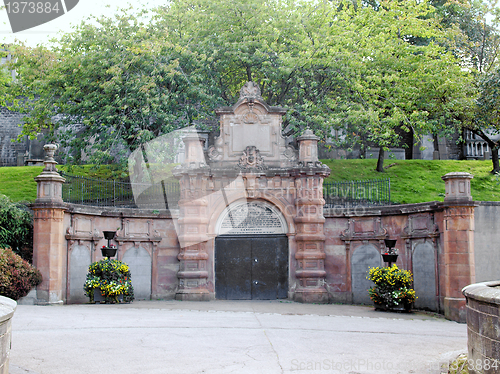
[(251, 253)]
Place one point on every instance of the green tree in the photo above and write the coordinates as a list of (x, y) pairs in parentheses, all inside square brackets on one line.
[(334, 65), (487, 123), (397, 84), (477, 44), (115, 77)]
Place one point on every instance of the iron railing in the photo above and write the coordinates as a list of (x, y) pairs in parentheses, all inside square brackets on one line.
[(97, 192), (376, 192)]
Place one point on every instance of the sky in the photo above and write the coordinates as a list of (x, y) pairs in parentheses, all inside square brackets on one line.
[(85, 8)]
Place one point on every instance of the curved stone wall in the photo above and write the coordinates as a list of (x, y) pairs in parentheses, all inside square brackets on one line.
[(7, 309), (483, 327)]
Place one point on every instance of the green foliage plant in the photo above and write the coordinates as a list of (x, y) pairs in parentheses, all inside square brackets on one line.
[(16, 228), (112, 278), (392, 287), (17, 276)]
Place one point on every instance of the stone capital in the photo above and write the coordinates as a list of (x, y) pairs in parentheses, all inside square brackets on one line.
[(457, 187)]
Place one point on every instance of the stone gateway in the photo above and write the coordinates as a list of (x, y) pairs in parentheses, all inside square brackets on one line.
[(251, 224)]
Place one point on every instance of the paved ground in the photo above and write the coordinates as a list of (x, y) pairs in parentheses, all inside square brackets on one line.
[(254, 337)]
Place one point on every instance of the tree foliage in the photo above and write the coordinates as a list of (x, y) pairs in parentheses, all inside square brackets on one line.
[(342, 65), (16, 228), (477, 44)]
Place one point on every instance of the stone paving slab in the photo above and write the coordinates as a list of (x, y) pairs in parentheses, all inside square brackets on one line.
[(229, 337)]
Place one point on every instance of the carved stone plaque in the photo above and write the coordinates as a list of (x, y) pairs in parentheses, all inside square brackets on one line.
[(251, 218)]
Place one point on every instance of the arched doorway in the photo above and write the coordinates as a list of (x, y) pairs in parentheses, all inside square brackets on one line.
[(251, 253)]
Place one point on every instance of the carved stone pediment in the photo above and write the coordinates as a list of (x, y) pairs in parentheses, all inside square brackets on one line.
[(250, 122)]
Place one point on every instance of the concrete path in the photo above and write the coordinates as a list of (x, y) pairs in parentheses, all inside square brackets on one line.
[(254, 337)]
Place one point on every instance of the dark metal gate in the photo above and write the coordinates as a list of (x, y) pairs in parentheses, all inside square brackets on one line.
[(251, 267)]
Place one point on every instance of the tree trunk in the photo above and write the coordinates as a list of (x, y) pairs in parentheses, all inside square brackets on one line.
[(494, 146), (249, 73), (380, 162), (494, 159)]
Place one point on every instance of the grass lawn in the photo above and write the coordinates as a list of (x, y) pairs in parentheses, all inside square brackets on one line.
[(18, 182), (412, 181), (417, 181)]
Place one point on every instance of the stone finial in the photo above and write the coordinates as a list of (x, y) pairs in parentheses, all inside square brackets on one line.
[(308, 147), (49, 162), (457, 187), (194, 149), (49, 182), (250, 90)]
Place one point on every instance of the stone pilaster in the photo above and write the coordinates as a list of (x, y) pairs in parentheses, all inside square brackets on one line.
[(458, 268), (192, 223), (309, 221), (49, 245)]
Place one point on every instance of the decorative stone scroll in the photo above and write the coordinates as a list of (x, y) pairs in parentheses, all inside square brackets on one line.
[(251, 218)]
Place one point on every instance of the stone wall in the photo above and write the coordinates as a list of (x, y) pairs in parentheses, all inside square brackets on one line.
[(146, 240), (9, 130), (434, 241), (487, 241), (13, 153), (7, 309), (483, 326), (355, 242)]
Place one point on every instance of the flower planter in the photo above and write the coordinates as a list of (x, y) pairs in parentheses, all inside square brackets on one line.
[(109, 281), (109, 235), (406, 308), (108, 251), (98, 298), (391, 291), (390, 258)]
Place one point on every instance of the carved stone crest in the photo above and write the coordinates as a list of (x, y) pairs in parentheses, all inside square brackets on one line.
[(251, 159), (250, 90)]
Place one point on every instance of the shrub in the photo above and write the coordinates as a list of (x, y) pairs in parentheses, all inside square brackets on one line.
[(112, 277), (17, 276), (392, 287), (16, 228)]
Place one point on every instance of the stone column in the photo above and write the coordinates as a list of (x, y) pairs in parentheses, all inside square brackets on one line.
[(192, 223), (309, 221), (49, 245), (458, 268)]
